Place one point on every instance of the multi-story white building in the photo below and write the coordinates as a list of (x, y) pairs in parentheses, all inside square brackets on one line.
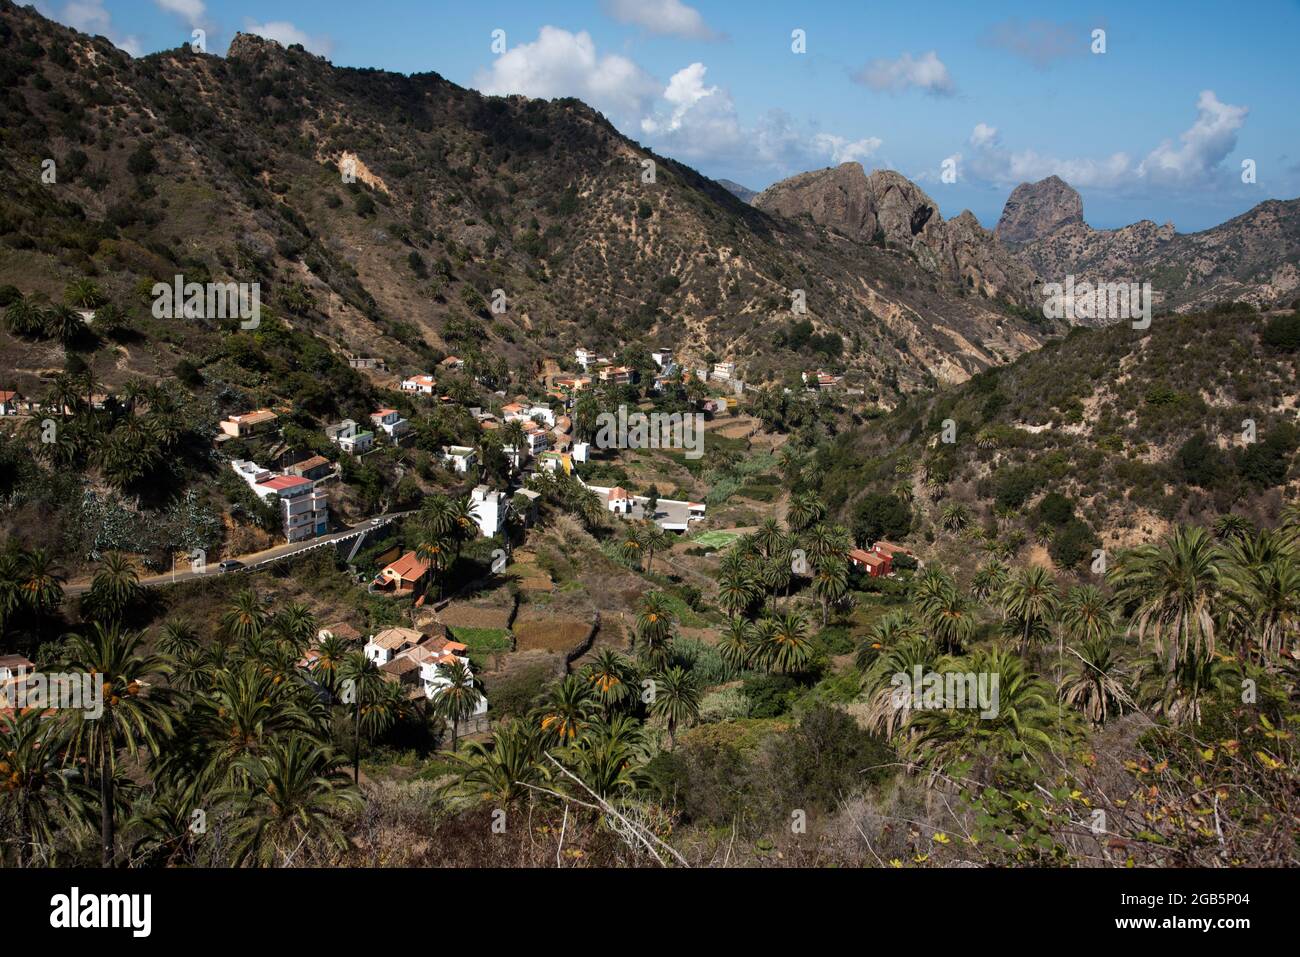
[(424, 384), (489, 507), (304, 509), (391, 421)]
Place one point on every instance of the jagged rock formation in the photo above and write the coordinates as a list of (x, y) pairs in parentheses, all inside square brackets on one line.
[(1037, 210), (888, 209)]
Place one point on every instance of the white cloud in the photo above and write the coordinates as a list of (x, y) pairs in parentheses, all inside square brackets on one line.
[(701, 124), (1205, 145), (1210, 139), (664, 17), (286, 34), (926, 73), (89, 16), (559, 63), (984, 135), (191, 11), (841, 150)]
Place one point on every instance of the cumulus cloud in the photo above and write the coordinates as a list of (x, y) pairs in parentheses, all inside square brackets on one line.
[(689, 117), (89, 16), (664, 17), (1041, 42), (699, 122), (1194, 163), (926, 73), (559, 63), (1204, 146), (286, 34), (191, 11)]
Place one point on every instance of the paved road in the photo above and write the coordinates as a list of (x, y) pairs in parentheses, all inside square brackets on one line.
[(257, 559)]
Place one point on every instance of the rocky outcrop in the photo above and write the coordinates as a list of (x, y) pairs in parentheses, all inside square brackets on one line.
[(888, 209), (1037, 210)]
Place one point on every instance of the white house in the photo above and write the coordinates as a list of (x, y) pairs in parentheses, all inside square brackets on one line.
[(391, 421), (461, 458), (347, 437), (304, 509), (662, 357), (489, 507), (424, 384), (581, 451), (389, 643), (516, 412), (724, 370), (432, 656)]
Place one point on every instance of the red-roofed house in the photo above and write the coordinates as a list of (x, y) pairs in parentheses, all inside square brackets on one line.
[(406, 575), (619, 501), (9, 402), (873, 564)]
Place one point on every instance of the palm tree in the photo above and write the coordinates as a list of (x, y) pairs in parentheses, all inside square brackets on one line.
[(135, 712), (886, 633), (737, 644), (512, 437), (38, 798), (83, 294), (1029, 598), (676, 699), (609, 674), (296, 626), (786, 646), (458, 698), (805, 510), (502, 769), (1176, 589), (1178, 693), (1087, 614), (1261, 582), (1095, 686), (989, 580), (245, 618), (632, 548), (565, 710), (736, 592), (177, 637), (608, 756), (1022, 727), (64, 324), (1228, 527), (654, 627), (372, 712), (889, 709), (956, 516), (655, 539), (115, 587), (26, 318), (436, 552), (831, 584), (949, 617), (40, 582), (294, 792), (770, 537)]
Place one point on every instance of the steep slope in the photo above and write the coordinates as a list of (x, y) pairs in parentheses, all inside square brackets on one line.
[(233, 169), (1254, 257), (887, 209), (1137, 429)]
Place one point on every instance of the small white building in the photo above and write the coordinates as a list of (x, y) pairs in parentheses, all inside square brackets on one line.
[(489, 507), (389, 643), (461, 458), (391, 421), (349, 438), (423, 384)]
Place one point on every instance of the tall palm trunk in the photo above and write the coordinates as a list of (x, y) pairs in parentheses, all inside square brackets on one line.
[(455, 730), (106, 807), (356, 741)]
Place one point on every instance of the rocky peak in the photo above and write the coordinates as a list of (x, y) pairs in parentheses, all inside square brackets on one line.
[(1035, 210), (887, 208)]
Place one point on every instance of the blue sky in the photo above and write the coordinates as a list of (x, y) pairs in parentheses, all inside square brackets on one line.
[(1156, 127)]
